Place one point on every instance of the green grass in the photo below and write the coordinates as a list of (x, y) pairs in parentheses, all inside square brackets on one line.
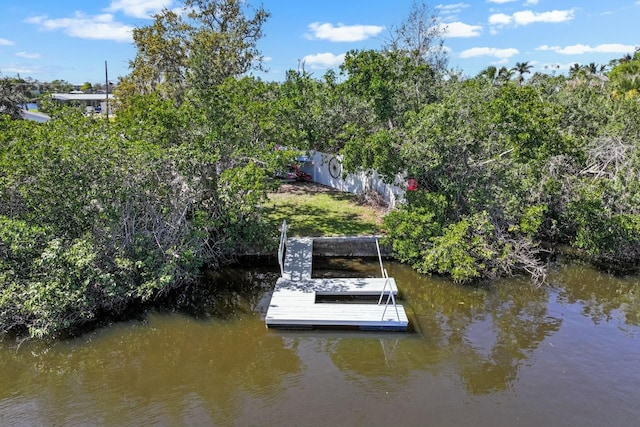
[(310, 213)]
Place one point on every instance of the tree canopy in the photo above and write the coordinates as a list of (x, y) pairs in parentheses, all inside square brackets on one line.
[(97, 215), (12, 97), (193, 51)]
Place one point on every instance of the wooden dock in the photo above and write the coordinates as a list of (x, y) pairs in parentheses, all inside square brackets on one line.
[(294, 303)]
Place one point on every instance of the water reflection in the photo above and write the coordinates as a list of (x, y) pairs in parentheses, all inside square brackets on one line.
[(517, 351), (486, 332), (602, 297), (170, 366), (163, 366)]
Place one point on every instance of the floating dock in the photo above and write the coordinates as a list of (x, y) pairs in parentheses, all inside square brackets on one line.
[(295, 302)]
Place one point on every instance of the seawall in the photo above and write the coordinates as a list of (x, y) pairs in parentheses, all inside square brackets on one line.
[(349, 246)]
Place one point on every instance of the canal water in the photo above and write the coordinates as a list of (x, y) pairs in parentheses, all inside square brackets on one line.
[(567, 354)]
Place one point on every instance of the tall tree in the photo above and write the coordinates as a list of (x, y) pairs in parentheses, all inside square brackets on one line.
[(574, 70), (160, 61), (625, 76), (592, 68), (421, 36), (12, 97), (60, 86), (522, 68), (223, 40), (490, 73), (195, 50), (391, 81), (505, 74)]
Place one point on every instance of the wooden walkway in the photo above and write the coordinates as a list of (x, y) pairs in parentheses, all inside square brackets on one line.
[(294, 304)]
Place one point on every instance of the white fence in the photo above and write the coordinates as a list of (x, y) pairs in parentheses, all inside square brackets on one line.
[(326, 169)]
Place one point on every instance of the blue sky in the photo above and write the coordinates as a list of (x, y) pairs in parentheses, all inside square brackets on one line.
[(71, 39)]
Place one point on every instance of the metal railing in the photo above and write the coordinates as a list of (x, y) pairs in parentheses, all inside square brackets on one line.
[(390, 296), (282, 246)]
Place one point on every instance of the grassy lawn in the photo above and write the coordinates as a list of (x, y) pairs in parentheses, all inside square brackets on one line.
[(313, 210)]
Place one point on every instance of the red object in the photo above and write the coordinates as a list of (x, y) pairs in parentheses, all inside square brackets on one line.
[(298, 174), (412, 184)]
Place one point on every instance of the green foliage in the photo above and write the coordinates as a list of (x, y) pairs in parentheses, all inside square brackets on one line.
[(242, 190), (493, 152), (377, 151), (20, 243), (151, 118), (532, 219), (625, 76), (602, 233), (12, 98), (468, 250), (119, 212), (312, 113), (49, 285), (223, 37), (529, 124), (390, 81), (412, 227), (96, 215), (465, 250), (184, 55)]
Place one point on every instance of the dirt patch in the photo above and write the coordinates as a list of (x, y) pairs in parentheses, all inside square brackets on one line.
[(297, 187)]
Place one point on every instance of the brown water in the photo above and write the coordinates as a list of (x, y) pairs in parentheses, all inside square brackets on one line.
[(564, 355)]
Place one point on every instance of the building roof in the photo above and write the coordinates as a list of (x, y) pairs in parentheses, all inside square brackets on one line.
[(35, 116), (81, 96)]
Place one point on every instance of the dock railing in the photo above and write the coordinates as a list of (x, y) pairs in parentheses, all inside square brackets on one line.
[(390, 296), (282, 246)]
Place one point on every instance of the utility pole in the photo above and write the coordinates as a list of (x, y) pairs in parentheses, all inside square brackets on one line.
[(106, 81)]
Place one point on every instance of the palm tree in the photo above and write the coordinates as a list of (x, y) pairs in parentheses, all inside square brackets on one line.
[(490, 73), (522, 68), (574, 70), (505, 74)]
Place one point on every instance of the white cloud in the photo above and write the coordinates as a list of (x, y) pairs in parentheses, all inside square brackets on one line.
[(579, 49), (36, 19), (97, 27), (500, 19), (449, 9), (28, 55), (323, 60), (547, 47), (526, 17), (531, 2), (460, 29), (343, 33), (17, 69), (139, 8), (489, 51), (5, 42)]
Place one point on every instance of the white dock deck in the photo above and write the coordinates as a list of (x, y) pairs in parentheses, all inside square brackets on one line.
[(294, 304), (298, 259)]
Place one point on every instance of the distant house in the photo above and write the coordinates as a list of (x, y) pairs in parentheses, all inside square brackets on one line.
[(93, 102), (35, 116)]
